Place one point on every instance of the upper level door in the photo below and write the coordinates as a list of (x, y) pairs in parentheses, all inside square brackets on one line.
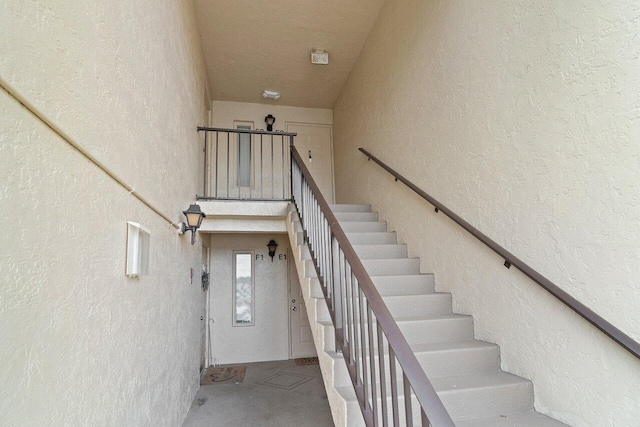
[(314, 143)]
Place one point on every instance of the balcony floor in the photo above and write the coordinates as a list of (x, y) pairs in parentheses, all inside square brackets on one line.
[(252, 404)]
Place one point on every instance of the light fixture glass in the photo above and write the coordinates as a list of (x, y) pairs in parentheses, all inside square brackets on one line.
[(270, 120), (272, 245), (271, 94), (194, 219)]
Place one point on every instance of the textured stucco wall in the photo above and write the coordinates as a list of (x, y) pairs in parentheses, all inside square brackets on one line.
[(523, 118), (268, 338), (225, 112), (80, 343)]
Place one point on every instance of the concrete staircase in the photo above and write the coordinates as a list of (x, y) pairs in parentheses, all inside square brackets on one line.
[(464, 371)]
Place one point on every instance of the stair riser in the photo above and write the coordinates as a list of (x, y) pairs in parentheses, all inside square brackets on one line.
[(363, 227), (357, 216), (437, 330), (372, 238), (406, 306), (467, 403), (450, 363), (392, 267), (381, 251), (350, 208), (404, 285), (489, 401)]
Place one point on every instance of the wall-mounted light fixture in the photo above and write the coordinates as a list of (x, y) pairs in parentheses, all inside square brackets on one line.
[(270, 120), (272, 245), (271, 94), (194, 219)]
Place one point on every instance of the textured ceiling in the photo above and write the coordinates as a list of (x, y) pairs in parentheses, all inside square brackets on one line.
[(252, 45)]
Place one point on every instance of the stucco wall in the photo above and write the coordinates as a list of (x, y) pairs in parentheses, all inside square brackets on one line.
[(523, 118), (268, 338), (80, 343), (225, 112)]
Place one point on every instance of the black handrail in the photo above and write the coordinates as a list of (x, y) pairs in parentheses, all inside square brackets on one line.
[(321, 217), (589, 315)]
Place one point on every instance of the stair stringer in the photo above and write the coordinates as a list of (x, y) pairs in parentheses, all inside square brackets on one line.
[(332, 364)]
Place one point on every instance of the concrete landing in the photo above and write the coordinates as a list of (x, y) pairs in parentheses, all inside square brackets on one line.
[(272, 394)]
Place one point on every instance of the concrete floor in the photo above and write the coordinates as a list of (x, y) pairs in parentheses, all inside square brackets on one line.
[(266, 397)]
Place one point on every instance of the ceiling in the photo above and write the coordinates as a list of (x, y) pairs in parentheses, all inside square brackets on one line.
[(253, 45)]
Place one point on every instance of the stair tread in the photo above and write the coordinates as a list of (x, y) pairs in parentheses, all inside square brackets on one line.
[(418, 319), (446, 346), (477, 381), (432, 317), (484, 380), (523, 419)]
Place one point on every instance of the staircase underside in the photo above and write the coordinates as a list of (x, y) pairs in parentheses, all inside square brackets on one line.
[(464, 371)]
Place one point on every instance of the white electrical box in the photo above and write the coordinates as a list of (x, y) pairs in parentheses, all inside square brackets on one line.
[(319, 57), (138, 240)]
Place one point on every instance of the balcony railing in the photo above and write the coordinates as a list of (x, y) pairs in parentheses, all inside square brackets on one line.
[(243, 164)]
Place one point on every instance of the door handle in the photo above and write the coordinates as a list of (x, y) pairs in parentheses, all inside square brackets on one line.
[(294, 308)]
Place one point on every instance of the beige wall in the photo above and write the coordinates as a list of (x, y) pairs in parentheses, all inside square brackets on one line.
[(523, 118), (224, 113), (268, 338), (80, 343)]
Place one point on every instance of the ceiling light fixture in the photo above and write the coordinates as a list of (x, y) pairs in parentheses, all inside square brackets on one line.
[(271, 94)]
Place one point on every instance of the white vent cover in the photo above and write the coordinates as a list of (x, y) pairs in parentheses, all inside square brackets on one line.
[(138, 239), (319, 57)]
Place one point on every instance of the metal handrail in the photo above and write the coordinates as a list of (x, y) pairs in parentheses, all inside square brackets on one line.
[(432, 410), (589, 315)]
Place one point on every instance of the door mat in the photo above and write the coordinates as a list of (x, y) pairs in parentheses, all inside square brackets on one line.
[(307, 361), (223, 375)]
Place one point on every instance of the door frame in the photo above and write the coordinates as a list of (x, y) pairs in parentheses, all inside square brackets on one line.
[(325, 125)]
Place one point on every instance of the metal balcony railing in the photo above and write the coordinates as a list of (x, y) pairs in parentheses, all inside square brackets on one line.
[(243, 164)]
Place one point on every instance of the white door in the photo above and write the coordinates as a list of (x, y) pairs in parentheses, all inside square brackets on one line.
[(299, 329), (314, 145)]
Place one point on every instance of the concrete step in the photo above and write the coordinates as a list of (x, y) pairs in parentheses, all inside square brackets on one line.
[(418, 305), (457, 358), (411, 284), (404, 305), (392, 267), (451, 358), (375, 238), (363, 227), (484, 395), (436, 328), (490, 394), (381, 251), (524, 419), (350, 208), (357, 216)]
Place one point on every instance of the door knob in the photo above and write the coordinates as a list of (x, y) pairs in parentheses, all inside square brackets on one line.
[(294, 308)]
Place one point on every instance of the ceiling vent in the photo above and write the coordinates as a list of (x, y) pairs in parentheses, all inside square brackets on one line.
[(319, 57)]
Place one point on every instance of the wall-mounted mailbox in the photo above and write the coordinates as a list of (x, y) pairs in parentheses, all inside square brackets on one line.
[(138, 239)]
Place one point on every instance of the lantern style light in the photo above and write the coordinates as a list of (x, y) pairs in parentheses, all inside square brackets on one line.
[(194, 219), (272, 245), (270, 120)]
